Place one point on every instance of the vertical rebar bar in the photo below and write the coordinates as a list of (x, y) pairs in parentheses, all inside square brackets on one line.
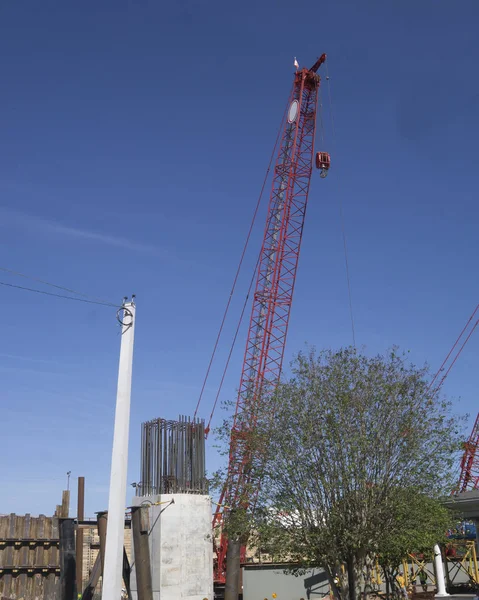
[(173, 456)]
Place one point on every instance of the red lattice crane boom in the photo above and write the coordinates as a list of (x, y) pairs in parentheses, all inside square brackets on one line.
[(274, 289), (469, 478)]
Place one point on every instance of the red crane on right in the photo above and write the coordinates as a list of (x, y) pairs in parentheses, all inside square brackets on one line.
[(469, 478)]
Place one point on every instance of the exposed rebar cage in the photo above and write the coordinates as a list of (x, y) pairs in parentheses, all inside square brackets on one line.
[(173, 457)]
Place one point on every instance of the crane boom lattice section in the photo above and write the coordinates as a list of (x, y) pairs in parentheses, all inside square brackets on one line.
[(273, 294), (276, 276)]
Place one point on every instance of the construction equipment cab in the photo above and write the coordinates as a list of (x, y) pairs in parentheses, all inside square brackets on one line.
[(323, 162)]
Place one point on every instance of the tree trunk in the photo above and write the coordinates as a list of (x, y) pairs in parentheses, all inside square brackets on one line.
[(388, 587), (351, 579), (233, 569), (332, 584)]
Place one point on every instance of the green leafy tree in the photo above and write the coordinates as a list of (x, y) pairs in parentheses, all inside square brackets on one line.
[(340, 450), (415, 525)]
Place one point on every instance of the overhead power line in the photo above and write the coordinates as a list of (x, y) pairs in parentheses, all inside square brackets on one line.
[(58, 287), (86, 300)]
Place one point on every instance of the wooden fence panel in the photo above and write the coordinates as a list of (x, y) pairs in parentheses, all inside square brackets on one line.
[(29, 557)]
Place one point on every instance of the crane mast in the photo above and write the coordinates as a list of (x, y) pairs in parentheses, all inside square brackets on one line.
[(273, 294)]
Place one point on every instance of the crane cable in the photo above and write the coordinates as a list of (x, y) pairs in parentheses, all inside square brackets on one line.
[(444, 362), (341, 212), (233, 287), (233, 343), (321, 122), (321, 129), (321, 134)]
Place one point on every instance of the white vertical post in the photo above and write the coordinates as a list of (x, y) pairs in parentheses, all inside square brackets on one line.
[(112, 575), (441, 586)]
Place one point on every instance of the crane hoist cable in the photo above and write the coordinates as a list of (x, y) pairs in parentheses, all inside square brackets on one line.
[(235, 280), (321, 121), (341, 211)]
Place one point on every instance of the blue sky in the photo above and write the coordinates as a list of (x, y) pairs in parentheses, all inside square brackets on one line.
[(134, 137)]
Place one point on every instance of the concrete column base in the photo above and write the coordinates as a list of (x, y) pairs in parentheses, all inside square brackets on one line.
[(181, 547)]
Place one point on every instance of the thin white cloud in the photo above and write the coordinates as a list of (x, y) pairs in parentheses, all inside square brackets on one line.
[(29, 358), (103, 238), (41, 225), (23, 370)]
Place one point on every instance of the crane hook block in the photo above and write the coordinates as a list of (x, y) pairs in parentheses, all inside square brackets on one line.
[(323, 162)]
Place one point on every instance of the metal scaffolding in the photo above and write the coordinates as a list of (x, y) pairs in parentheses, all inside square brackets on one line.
[(173, 457)]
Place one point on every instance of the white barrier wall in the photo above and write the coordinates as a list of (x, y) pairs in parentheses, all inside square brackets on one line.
[(181, 547)]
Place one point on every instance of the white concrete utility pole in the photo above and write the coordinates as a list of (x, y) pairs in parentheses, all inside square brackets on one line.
[(441, 586), (112, 575)]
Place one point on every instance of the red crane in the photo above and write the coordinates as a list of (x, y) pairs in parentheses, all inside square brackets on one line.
[(469, 478), (274, 289)]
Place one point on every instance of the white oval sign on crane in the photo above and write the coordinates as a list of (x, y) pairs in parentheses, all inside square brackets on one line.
[(293, 111)]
